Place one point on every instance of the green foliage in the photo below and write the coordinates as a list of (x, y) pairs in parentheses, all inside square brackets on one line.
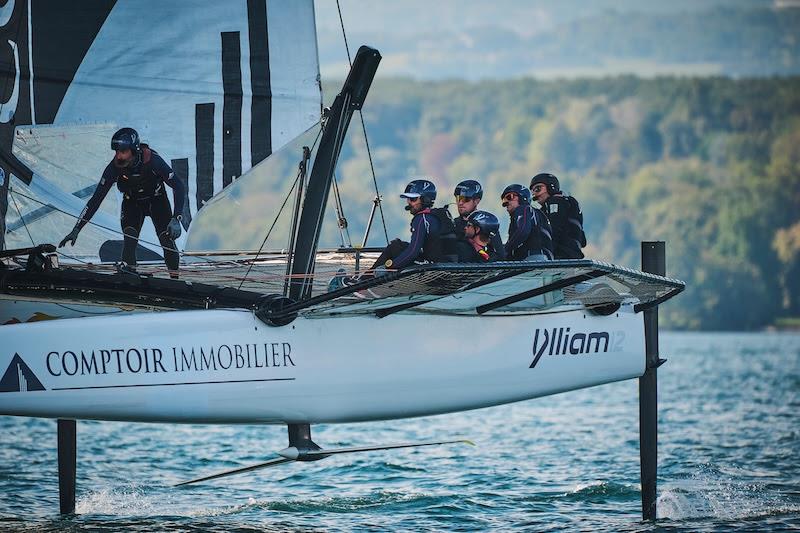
[(711, 165)]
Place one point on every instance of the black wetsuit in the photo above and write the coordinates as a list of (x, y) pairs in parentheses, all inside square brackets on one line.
[(566, 218), (528, 234), (142, 187)]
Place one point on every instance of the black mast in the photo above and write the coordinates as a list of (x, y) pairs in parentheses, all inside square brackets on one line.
[(348, 100)]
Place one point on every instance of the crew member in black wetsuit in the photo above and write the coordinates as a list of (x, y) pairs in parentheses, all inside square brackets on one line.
[(564, 213), (433, 237), (468, 195), (432, 231), (529, 234), (481, 232), (140, 174)]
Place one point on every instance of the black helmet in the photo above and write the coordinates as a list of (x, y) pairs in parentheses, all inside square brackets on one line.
[(125, 139), (520, 190), (553, 187), (421, 188), (486, 222), (470, 189)]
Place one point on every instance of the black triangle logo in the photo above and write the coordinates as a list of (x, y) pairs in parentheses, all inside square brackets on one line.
[(19, 377)]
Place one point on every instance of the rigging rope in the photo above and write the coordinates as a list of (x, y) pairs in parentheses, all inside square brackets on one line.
[(88, 222), (277, 216), (275, 221), (364, 129), (22, 219)]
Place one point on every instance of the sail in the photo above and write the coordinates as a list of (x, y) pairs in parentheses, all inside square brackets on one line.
[(214, 87)]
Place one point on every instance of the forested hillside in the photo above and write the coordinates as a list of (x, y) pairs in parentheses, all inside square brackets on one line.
[(710, 165)]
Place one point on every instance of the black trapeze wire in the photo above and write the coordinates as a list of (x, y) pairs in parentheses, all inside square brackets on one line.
[(364, 129)]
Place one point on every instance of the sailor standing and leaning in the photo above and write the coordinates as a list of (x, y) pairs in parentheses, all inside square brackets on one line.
[(564, 214), (481, 232), (140, 174), (529, 234), (468, 194)]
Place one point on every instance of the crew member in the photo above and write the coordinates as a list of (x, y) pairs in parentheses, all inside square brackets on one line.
[(433, 236), (140, 174), (481, 232), (468, 194), (564, 213), (432, 231), (529, 233)]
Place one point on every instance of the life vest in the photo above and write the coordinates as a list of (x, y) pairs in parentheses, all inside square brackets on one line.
[(566, 218), (460, 225), (441, 246), (540, 239)]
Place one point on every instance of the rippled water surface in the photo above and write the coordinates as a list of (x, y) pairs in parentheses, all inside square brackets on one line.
[(729, 459)]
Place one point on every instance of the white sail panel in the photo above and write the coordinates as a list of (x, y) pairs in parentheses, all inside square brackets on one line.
[(256, 207), (64, 177)]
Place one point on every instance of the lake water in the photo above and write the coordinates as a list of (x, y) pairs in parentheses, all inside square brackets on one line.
[(729, 460)]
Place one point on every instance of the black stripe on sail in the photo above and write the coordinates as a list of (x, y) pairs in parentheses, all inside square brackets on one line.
[(14, 73), (261, 106), (204, 145), (181, 169), (60, 46), (231, 107)]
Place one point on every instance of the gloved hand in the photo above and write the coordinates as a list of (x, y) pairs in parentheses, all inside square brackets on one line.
[(71, 238), (174, 228)]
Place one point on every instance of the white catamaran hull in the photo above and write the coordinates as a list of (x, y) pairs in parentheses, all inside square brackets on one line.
[(226, 366)]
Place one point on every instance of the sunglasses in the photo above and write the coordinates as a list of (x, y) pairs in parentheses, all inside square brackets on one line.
[(537, 188), (464, 199), (510, 197), (417, 199)]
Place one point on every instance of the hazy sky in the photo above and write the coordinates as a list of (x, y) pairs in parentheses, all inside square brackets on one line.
[(476, 39)]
